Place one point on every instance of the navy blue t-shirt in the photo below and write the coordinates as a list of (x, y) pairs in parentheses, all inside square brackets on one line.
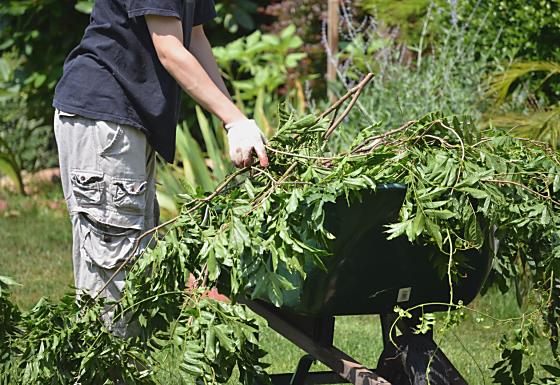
[(115, 75)]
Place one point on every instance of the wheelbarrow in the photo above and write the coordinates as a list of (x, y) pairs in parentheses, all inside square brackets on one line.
[(368, 274)]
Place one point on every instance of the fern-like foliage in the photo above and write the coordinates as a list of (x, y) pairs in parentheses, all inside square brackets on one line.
[(542, 124)]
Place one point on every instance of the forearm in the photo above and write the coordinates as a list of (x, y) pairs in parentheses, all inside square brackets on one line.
[(167, 36), (202, 51), (202, 81), (195, 81)]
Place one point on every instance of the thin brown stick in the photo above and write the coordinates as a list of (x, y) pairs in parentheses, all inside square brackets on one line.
[(348, 94), (355, 92), (503, 181), (258, 200), (294, 155), (458, 137), (366, 142)]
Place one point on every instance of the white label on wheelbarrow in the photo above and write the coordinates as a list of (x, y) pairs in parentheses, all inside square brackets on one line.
[(404, 294)]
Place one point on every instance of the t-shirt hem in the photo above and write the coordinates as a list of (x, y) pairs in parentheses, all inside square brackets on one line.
[(204, 20), (153, 11), (98, 115)]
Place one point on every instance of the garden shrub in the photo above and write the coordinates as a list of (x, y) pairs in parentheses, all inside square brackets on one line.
[(405, 15), (35, 37), (528, 30)]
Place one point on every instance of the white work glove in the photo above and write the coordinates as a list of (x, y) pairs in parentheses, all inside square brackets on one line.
[(245, 137)]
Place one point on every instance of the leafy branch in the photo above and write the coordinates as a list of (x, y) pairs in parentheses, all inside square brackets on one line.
[(261, 236)]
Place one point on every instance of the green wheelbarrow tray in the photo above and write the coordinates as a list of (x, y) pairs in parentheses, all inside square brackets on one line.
[(368, 274)]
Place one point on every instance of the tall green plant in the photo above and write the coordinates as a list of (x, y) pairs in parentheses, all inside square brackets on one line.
[(257, 67), (42, 33), (541, 123), (526, 30), (405, 15), (9, 164), (196, 168), (446, 76)]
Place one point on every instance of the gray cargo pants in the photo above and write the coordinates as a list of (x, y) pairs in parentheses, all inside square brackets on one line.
[(108, 179)]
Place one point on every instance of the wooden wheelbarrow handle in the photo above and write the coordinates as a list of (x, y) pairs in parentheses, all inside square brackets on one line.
[(341, 363)]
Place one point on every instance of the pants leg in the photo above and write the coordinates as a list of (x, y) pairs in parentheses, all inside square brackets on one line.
[(108, 179)]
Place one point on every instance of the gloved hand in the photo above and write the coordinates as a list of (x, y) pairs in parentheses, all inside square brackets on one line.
[(245, 137)]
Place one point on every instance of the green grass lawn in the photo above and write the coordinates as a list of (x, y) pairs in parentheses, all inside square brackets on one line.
[(35, 249), (35, 245)]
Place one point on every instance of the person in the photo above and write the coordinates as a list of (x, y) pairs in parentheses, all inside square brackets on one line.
[(116, 105)]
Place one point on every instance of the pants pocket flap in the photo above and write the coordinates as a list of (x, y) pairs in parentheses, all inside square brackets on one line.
[(87, 186), (130, 195)]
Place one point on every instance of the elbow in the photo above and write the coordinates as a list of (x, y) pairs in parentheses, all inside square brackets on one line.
[(168, 51), (179, 64), (166, 58)]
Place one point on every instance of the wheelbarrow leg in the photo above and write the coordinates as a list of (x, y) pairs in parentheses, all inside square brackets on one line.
[(303, 367)]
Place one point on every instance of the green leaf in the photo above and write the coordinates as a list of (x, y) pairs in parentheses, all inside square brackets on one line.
[(293, 59), (8, 281), (225, 341), (288, 32), (475, 193), (219, 165), (473, 232), (84, 6), (440, 214), (417, 226), (435, 231), (398, 229), (555, 371), (210, 346), (293, 202), (213, 267), (9, 167), (193, 159)]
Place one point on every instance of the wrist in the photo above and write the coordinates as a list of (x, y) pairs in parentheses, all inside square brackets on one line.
[(232, 116)]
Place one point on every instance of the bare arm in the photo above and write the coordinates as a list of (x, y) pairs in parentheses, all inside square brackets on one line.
[(202, 51), (167, 36), (207, 88)]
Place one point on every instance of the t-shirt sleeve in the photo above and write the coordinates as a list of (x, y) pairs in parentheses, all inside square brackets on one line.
[(138, 8), (204, 11)]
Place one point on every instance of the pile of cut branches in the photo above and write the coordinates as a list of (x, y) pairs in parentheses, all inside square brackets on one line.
[(253, 232)]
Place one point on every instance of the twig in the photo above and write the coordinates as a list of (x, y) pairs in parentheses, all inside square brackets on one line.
[(383, 136), (339, 102), (303, 156), (258, 200), (502, 181), (441, 140), (458, 137), (356, 92), (335, 115)]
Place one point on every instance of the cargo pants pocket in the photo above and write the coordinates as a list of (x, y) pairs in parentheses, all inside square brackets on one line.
[(87, 187), (107, 246), (130, 195)]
